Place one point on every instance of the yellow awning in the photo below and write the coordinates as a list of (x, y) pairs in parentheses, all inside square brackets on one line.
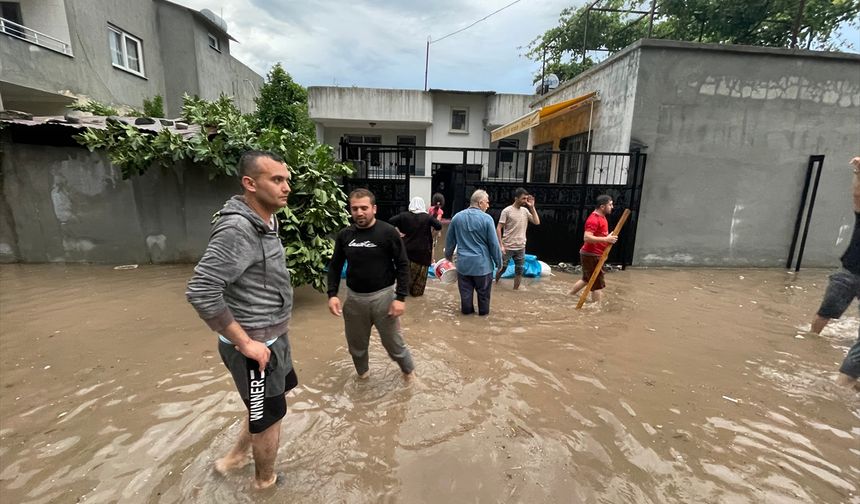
[(534, 118)]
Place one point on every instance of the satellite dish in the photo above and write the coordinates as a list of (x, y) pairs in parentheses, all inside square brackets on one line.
[(549, 82)]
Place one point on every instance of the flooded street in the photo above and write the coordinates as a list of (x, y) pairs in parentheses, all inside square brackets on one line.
[(684, 386)]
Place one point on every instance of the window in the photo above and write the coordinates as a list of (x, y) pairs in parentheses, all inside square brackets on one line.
[(369, 155), (573, 162), (504, 166), (460, 120), (509, 145), (542, 162), (405, 156), (214, 43), (125, 51), (11, 11)]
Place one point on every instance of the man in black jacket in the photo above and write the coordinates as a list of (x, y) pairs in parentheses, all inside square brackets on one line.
[(376, 258)]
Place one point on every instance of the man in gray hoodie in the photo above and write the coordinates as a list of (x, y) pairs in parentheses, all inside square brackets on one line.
[(241, 289)]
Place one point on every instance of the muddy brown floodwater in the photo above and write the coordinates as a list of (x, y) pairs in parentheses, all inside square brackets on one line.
[(684, 386)]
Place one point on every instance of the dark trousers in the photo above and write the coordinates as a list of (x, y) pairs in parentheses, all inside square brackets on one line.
[(477, 284)]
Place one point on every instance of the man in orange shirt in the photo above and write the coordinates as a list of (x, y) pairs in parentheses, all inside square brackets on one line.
[(596, 238)]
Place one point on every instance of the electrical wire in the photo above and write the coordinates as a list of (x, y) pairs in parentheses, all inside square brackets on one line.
[(476, 22)]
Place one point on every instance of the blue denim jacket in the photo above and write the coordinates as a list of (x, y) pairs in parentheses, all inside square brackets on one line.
[(473, 233)]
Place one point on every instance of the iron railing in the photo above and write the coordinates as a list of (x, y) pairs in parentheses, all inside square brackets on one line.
[(564, 183), (499, 165), (32, 36)]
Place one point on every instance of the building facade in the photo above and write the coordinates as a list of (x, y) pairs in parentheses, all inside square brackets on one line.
[(403, 117), (728, 131), (56, 52)]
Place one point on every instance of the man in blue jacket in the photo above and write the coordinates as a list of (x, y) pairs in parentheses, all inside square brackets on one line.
[(473, 233), (241, 289)]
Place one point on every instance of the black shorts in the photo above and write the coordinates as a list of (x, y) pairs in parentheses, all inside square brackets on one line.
[(263, 393)]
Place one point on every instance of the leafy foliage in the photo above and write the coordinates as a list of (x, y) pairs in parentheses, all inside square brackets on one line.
[(317, 203), (154, 107), (95, 108), (749, 22), (283, 103)]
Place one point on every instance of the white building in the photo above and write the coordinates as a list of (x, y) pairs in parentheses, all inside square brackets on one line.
[(435, 118)]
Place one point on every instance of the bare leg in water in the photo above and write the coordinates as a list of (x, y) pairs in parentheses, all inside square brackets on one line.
[(264, 447), (596, 295), (818, 324)]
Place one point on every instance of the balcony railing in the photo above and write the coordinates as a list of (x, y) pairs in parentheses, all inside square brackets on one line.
[(32, 36)]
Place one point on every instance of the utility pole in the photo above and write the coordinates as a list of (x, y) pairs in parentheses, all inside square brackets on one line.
[(543, 71), (585, 32), (651, 17), (426, 62)]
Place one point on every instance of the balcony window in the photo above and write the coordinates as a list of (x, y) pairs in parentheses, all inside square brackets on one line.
[(125, 51)]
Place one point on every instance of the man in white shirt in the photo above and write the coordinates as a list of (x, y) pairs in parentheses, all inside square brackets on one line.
[(511, 231)]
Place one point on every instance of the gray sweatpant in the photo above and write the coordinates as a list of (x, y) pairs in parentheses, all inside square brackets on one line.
[(360, 312)]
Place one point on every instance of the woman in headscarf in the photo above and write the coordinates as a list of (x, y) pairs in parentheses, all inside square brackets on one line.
[(416, 228)]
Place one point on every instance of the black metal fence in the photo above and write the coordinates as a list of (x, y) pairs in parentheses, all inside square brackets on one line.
[(384, 171), (565, 185)]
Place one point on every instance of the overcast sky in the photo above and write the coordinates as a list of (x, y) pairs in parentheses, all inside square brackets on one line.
[(381, 43)]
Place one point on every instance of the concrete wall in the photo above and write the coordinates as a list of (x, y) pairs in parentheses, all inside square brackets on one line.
[(615, 81), (46, 16), (440, 134), (66, 204), (369, 104), (178, 55), (728, 132), (504, 108), (220, 73)]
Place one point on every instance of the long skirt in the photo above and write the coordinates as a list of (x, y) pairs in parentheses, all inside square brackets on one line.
[(417, 278)]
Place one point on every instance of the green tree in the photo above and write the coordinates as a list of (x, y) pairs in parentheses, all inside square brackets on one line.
[(154, 107), (773, 23), (317, 203), (283, 103)]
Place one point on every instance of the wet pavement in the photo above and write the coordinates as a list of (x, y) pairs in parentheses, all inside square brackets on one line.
[(683, 386)]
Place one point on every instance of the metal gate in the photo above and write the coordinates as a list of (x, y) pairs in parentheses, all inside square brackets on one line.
[(571, 181)]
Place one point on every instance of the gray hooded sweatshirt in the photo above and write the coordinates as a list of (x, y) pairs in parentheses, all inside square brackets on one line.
[(242, 275)]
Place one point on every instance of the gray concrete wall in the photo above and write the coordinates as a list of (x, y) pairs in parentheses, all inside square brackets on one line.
[(90, 73), (440, 134), (728, 132), (46, 16), (219, 72), (65, 204), (178, 55), (504, 108), (615, 82), (368, 104)]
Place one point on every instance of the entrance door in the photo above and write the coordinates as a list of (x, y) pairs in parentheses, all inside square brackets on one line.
[(542, 165)]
